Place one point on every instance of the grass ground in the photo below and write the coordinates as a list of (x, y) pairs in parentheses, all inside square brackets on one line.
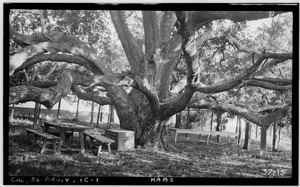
[(190, 158)]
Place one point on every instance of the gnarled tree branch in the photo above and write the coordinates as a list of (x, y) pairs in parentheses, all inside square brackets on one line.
[(91, 97), (266, 85), (130, 45), (260, 120)]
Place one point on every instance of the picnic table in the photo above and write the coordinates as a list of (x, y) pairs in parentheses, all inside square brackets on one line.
[(199, 132), (63, 128)]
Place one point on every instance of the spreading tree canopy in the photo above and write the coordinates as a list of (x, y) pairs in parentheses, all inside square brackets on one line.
[(153, 64)]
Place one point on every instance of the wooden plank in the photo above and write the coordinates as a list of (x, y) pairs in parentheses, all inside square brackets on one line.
[(42, 135), (99, 138), (198, 132)]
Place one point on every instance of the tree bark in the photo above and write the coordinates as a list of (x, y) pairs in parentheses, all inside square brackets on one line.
[(263, 142)]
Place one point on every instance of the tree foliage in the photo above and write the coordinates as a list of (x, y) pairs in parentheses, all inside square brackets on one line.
[(170, 60)]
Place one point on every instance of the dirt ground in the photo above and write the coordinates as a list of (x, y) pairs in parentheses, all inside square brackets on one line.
[(189, 158)]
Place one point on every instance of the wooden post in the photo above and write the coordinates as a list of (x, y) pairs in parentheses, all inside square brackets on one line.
[(109, 118), (36, 116), (240, 131), (101, 116), (58, 109), (92, 114), (112, 113), (219, 115), (279, 133), (188, 119), (263, 141), (211, 121), (98, 117), (247, 136), (178, 120), (237, 125), (11, 118), (188, 122), (274, 136), (77, 109), (256, 128)]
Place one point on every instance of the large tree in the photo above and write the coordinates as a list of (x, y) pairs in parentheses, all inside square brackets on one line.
[(171, 41)]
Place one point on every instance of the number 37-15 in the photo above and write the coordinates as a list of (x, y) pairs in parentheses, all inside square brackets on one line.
[(278, 172)]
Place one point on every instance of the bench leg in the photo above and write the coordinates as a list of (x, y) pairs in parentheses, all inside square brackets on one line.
[(54, 147), (81, 142), (175, 137), (109, 150), (60, 142), (208, 136), (99, 150)]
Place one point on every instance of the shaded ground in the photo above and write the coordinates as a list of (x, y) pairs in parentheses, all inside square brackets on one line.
[(193, 158)]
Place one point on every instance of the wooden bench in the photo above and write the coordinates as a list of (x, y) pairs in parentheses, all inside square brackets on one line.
[(220, 133), (46, 139), (199, 132), (102, 140)]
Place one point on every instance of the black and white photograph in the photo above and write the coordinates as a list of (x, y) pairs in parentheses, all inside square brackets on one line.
[(151, 94)]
